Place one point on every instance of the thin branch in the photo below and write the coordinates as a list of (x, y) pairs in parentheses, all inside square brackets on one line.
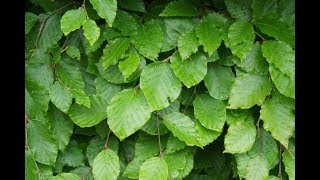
[(280, 154), (86, 175), (263, 39), (62, 83), (159, 140), (64, 44), (193, 93), (44, 21), (106, 144), (136, 88), (62, 50), (259, 136), (84, 7)]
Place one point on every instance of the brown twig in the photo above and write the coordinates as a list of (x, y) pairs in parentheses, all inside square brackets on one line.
[(193, 93), (263, 39), (106, 144), (280, 173)]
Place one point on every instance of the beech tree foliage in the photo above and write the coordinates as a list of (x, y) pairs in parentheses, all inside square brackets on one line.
[(160, 89)]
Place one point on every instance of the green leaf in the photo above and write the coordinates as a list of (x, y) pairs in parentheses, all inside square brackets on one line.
[(159, 84), (87, 117), (105, 89), (254, 62), (239, 9), (64, 176), (91, 31), (241, 50), (278, 117), (173, 28), (190, 71), (249, 90), (273, 178), (257, 168), (180, 8), (30, 167), (36, 99), (71, 77), (123, 118), (241, 31), (83, 172), (210, 112), (51, 32), (262, 8), (181, 127), (106, 164), (236, 115), (73, 52), (174, 144), (41, 141), (40, 73), (96, 145), (219, 80), (284, 83), (107, 9), (147, 39), (288, 159), (176, 163), (60, 96), (240, 137), (72, 20), (29, 20), (156, 166), (62, 127), (73, 156), (281, 55), (274, 27), (114, 51), (265, 146), (188, 43), (126, 23), (151, 127), (134, 5), (129, 65), (205, 136), (209, 36)]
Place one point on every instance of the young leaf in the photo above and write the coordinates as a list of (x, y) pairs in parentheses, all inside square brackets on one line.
[(91, 31), (219, 80), (106, 164), (156, 166), (240, 137), (180, 8), (30, 19), (210, 112), (241, 31), (205, 136), (159, 84), (129, 65), (278, 117), (114, 51), (181, 127), (62, 127), (87, 117), (288, 159), (190, 71), (209, 37), (107, 9), (188, 43), (147, 39), (60, 96), (41, 141), (72, 20), (123, 118), (257, 168), (248, 90)]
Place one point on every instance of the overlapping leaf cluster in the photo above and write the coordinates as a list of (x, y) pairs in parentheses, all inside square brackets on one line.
[(162, 89)]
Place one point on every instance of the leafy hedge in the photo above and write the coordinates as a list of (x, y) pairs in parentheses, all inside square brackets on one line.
[(184, 89)]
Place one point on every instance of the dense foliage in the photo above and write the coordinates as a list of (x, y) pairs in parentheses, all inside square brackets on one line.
[(160, 89)]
